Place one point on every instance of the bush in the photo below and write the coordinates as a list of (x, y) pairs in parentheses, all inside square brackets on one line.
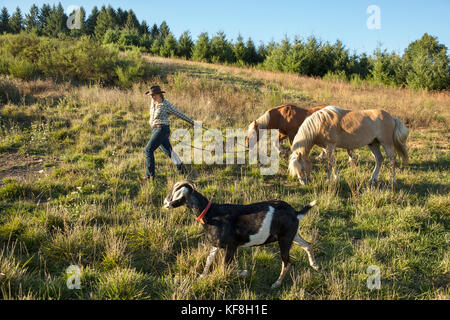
[(111, 36), (83, 60), (132, 68), (336, 76), (23, 69), (128, 38)]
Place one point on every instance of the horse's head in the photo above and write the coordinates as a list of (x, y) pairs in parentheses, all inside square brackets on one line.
[(301, 167), (252, 134)]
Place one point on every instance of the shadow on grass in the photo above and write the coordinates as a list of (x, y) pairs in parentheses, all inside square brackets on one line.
[(424, 189), (442, 165)]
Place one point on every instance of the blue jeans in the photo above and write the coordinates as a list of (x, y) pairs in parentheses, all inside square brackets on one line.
[(159, 138)]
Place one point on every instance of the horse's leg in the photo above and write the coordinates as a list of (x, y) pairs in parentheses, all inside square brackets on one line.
[(376, 152), (390, 152), (331, 161), (351, 156), (322, 156), (280, 148)]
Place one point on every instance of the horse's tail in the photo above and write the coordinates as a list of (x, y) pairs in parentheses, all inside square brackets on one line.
[(294, 165), (400, 135)]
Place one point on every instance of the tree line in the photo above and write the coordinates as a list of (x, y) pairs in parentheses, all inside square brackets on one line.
[(425, 63)]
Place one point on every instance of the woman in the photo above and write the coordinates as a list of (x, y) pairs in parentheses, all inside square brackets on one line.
[(160, 109)]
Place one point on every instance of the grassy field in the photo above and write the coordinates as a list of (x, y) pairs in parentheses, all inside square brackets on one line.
[(71, 156)]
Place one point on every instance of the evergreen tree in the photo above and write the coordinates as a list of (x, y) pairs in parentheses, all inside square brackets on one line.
[(121, 17), (239, 50), (106, 19), (221, 49), (44, 14), (16, 21), (164, 29), (132, 23), (32, 19), (82, 30), (251, 56), (56, 22), (156, 46), (170, 46), (262, 52), (202, 48), (4, 20), (143, 28), (91, 21), (426, 64), (155, 32), (185, 45)]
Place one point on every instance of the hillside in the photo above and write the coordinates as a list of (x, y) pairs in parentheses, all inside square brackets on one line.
[(71, 157)]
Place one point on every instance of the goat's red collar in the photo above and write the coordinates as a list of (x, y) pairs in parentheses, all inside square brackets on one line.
[(202, 215)]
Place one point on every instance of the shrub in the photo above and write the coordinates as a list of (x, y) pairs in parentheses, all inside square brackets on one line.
[(111, 36), (336, 76), (84, 60), (23, 69)]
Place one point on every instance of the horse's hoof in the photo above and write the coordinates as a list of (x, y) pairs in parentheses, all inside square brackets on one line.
[(316, 267), (200, 277), (242, 273), (276, 285)]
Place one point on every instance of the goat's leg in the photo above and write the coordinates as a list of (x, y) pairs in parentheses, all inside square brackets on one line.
[(285, 247), (284, 269), (209, 261), (307, 247), (229, 256)]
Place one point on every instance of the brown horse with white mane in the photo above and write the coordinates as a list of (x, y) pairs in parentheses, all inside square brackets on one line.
[(287, 119), (333, 128)]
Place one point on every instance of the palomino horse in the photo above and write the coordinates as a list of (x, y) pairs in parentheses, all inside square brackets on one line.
[(333, 128), (287, 119)]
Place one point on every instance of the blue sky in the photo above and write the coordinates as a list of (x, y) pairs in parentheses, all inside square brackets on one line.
[(402, 21)]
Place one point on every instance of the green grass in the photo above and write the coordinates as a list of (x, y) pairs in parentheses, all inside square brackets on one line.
[(89, 209)]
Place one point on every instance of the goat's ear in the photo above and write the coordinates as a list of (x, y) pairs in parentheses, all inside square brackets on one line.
[(180, 193), (190, 184), (255, 125)]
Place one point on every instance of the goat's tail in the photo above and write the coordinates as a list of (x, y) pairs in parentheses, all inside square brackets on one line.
[(302, 213), (400, 135)]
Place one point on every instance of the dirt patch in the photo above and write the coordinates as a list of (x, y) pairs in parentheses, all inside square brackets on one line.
[(14, 165)]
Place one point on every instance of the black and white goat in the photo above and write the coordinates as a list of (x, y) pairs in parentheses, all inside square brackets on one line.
[(230, 226)]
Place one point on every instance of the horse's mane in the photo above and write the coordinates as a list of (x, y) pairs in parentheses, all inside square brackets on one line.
[(263, 121), (310, 127)]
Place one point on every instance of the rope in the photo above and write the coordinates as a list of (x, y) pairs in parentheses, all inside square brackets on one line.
[(197, 148)]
